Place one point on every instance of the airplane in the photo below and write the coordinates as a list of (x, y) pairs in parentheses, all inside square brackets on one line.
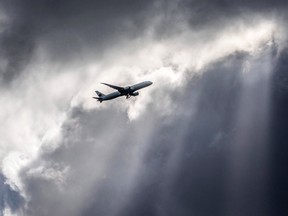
[(127, 91)]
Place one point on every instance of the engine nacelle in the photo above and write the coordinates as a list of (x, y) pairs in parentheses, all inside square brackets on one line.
[(135, 94)]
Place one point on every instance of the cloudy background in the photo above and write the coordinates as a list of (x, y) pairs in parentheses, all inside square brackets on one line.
[(209, 137)]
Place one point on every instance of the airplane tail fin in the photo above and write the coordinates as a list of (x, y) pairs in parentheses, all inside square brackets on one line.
[(100, 94)]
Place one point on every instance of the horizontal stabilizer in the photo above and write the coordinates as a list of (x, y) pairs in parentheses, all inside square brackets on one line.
[(98, 99)]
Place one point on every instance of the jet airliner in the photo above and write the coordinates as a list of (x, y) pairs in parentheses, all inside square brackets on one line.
[(127, 91)]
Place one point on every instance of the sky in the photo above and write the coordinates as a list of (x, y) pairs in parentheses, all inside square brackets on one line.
[(209, 137)]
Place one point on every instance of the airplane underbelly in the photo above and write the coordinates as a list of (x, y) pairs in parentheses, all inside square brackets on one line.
[(112, 95)]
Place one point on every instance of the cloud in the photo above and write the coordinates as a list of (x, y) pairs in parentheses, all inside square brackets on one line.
[(10, 200), (66, 155), (69, 28), (148, 165)]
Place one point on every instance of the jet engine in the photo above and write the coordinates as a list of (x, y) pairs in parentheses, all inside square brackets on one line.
[(135, 94)]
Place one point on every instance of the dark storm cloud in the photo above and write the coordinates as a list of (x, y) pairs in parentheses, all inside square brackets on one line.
[(279, 152), (65, 28), (222, 11), (230, 7), (72, 28), (16, 48)]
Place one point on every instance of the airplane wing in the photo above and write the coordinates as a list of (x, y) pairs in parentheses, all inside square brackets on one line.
[(114, 87)]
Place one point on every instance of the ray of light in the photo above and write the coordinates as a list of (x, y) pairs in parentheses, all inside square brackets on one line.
[(249, 158)]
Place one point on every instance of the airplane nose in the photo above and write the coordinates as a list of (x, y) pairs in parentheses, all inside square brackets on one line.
[(150, 83)]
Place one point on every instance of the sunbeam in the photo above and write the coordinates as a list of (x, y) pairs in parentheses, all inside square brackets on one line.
[(249, 157)]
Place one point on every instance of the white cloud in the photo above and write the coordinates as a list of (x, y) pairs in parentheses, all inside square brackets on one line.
[(33, 110), (167, 62)]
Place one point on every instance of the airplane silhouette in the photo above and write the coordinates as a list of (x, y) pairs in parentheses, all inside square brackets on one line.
[(127, 91)]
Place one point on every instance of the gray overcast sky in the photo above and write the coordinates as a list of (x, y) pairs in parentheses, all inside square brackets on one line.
[(207, 138)]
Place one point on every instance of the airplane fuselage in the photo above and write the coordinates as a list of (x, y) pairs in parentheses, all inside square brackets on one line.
[(126, 91)]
